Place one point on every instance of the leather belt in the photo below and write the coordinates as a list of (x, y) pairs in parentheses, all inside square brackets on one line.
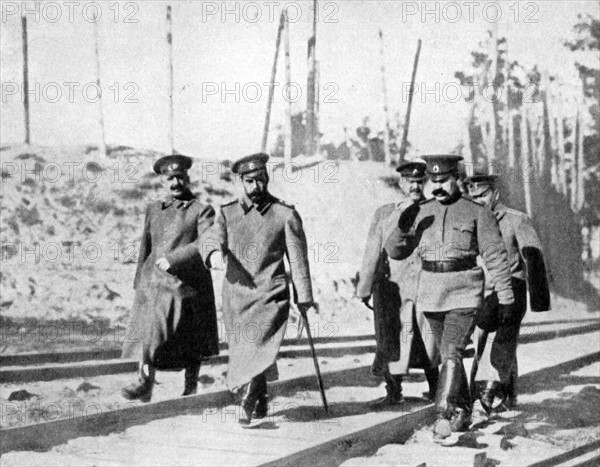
[(449, 266)]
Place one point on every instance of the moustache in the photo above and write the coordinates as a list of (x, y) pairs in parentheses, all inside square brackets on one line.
[(439, 192)]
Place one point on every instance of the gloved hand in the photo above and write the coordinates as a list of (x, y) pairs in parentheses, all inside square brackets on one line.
[(407, 218), (506, 313)]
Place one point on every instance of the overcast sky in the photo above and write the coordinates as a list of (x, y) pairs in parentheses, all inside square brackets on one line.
[(220, 47)]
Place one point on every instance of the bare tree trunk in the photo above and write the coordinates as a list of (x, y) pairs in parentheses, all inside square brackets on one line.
[(493, 55), (265, 135), (310, 92), (26, 78), (467, 153), (386, 132), (526, 159), (288, 108), (562, 176), (102, 146), (580, 161), (170, 136)]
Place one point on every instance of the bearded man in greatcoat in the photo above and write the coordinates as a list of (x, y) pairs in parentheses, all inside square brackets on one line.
[(252, 235)]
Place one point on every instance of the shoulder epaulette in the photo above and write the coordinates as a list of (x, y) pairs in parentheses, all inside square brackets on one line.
[(516, 212), (283, 203)]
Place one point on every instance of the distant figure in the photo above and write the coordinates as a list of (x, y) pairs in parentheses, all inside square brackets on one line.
[(173, 321), (495, 368), (403, 337), (252, 235), (449, 232)]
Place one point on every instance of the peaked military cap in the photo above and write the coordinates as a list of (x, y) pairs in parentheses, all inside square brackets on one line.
[(413, 171), (439, 166), (480, 183), (175, 164), (250, 163)]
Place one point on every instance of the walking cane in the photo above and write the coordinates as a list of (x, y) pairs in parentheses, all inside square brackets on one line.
[(314, 356)]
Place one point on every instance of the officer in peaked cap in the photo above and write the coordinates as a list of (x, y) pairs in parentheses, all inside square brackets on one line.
[(254, 234), (251, 163), (449, 232), (393, 287), (175, 164), (173, 315), (495, 366)]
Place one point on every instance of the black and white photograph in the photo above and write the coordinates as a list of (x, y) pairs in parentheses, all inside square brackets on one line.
[(300, 233)]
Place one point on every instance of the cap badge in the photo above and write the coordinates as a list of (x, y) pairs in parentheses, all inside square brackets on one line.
[(436, 168)]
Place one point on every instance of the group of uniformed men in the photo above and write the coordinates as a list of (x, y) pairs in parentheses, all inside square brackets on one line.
[(426, 264)]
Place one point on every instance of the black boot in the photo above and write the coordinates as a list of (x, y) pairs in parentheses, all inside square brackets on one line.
[(262, 404), (453, 399), (432, 375), (393, 388), (250, 395), (142, 389), (191, 380), (488, 391)]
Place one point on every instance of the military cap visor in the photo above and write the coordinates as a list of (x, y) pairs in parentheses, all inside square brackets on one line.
[(440, 166), (479, 184), (412, 171), (175, 164), (251, 163)]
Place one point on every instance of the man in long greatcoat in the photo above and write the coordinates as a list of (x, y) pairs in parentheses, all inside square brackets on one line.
[(403, 337), (253, 235), (173, 322), (495, 368), (449, 232)]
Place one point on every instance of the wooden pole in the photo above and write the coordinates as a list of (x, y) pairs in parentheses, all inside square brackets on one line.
[(403, 147), (310, 87), (102, 146), (288, 108), (525, 159), (574, 164), (272, 84), (171, 135), (580, 161), (25, 79), (386, 134), (493, 55)]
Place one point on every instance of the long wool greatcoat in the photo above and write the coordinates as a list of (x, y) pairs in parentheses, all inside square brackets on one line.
[(173, 319), (401, 331), (254, 239)]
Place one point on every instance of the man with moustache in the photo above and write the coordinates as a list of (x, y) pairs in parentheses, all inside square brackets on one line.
[(402, 333), (173, 324), (252, 235), (449, 232), (495, 369)]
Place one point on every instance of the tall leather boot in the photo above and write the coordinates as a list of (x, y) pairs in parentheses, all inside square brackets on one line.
[(250, 394), (262, 404), (487, 394), (432, 375), (393, 389), (453, 400), (191, 380)]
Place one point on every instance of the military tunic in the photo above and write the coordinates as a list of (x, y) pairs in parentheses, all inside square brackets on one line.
[(254, 239), (402, 333), (497, 351), (457, 231), (173, 320)]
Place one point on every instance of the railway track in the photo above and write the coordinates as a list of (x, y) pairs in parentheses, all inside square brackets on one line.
[(31, 367), (202, 430)]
